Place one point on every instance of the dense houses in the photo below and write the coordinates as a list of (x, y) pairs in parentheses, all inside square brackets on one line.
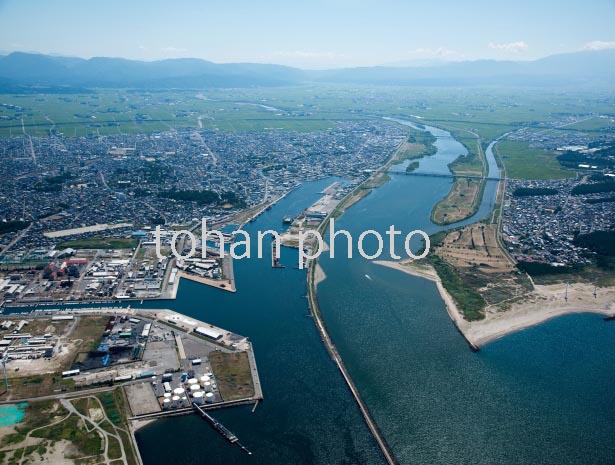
[(59, 183), (543, 227)]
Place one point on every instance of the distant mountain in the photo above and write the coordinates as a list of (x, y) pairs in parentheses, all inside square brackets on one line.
[(35, 69), (29, 71), (564, 69)]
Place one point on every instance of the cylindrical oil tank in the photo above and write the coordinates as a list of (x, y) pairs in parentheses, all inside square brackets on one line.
[(207, 386), (194, 388), (198, 397), (209, 397), (179, 391)]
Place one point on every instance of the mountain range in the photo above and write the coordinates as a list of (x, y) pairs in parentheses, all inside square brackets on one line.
[(31, 72)]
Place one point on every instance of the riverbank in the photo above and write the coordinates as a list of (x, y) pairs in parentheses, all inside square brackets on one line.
[(542, 304)]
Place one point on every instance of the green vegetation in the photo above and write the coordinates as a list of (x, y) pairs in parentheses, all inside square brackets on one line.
[(601, 200), (594, 188), (233, 374), (73, 430), (108, 402), (601, 242), (205, 197), (532, 191), (540, 268), (412, 166), (523, 162), (470, 302), (12, 226), (99, 242)]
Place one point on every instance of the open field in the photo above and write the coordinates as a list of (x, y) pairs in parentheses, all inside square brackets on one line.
[(232, 371), (302, 108), (523, 162), (594, 124), (100, 243), (475, 246)]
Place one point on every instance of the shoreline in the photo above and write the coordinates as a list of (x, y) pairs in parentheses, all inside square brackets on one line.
[(428, 272), (543, 304)]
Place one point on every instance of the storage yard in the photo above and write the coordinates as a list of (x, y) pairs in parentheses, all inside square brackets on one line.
[(85, 349)]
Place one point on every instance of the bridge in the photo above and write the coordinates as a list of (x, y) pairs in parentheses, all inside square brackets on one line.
[(446, 175)]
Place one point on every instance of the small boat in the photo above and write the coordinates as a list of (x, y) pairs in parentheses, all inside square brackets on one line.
[(369, 277)]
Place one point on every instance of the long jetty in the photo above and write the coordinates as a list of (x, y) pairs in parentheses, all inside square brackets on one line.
[(220, 428), (316, 314)]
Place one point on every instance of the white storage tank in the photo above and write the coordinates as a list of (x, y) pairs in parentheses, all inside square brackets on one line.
[(192, 381), (205, 379), (166, 404), (209, 398), (198, 397), (175, 400), (167, 395), (207, 386), (179, 391), (185, 402), (194, 388)]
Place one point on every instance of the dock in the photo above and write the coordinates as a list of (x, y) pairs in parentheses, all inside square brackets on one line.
[(220, 428)]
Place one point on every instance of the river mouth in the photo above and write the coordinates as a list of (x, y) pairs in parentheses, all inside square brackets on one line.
[(537, 396)]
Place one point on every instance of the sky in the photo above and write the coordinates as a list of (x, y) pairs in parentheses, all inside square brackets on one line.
[(311, 34)]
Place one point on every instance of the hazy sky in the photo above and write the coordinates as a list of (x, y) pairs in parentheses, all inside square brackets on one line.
[(311, 34)]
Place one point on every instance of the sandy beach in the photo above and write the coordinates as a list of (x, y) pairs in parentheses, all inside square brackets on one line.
[(319, 274), (540, 305)]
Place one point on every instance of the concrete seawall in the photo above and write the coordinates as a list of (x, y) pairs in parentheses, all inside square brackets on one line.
[(316, 314)]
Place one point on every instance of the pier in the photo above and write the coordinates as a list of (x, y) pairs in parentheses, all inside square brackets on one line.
[(220, 428)]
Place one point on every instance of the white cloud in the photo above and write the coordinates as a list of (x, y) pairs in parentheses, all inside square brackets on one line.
[(441, 53), (510, 47), (599, 45), (171, 49), (302, 54)]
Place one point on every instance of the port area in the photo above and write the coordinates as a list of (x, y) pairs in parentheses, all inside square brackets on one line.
[(147, 363), (96, 375), (312, 217)]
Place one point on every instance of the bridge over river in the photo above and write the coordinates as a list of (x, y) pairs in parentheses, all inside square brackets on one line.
[(446, 175)]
